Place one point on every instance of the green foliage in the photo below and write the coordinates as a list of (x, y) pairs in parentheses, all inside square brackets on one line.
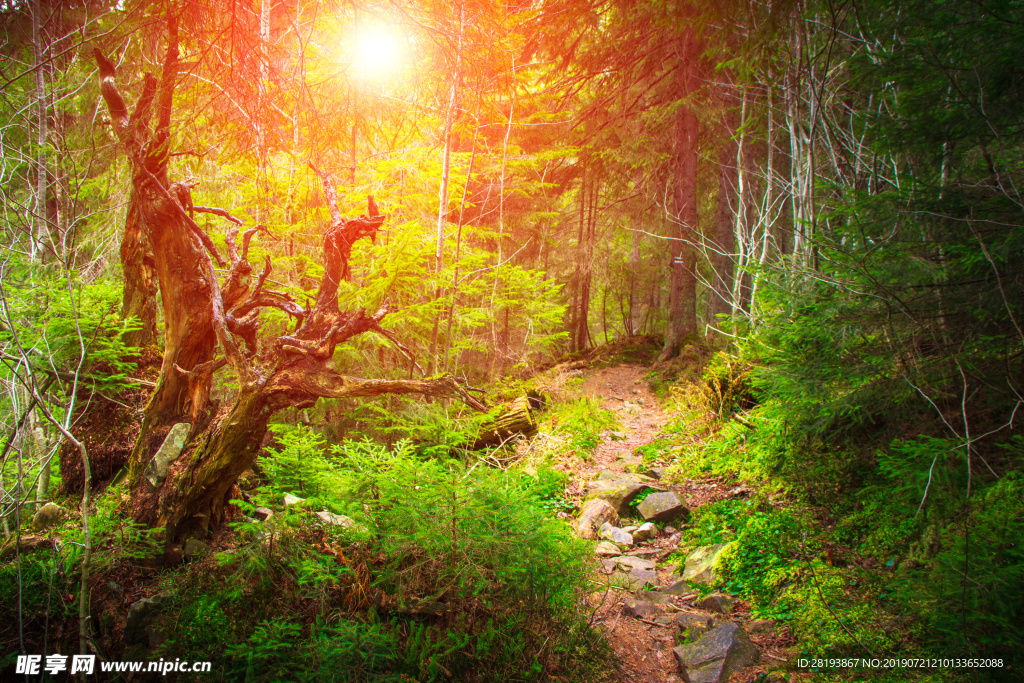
[(460, 570)]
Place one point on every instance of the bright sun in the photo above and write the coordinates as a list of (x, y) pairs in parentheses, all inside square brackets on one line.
[(377, 52)]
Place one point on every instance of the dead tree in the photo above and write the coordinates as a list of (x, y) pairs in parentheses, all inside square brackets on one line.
[(210, 324)]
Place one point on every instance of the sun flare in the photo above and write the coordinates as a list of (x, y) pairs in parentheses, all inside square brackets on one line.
[(377, 52)]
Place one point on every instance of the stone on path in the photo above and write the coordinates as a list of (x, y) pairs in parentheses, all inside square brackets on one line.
[(719, 654), (654, 472), (645, 532), (718, 602), (641, 578), (700, 564), (629, 562), (595, 513), (290, 500), (676, 588), (615, 535), (662, 506), (691, 621), (606, 549), (638, 608), (618, 492), (761, 626)]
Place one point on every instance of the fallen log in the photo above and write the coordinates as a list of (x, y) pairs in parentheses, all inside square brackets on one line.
[(26, 544), (513, 419)]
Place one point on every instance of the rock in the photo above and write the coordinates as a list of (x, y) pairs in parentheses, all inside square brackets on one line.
[(638, 608), (645, 532), (761, 626), (290, 500), (606, 549), (156, 636), (339, 520), (662, 506), (677, 588), (263, 514), (615, 535), (718, 602), (669, 530), (46, 516), (195, 548), (608, 566), (605, 475), (140, 615), (641, 578), (595, 513), (719, 654), (655, 597), (654, 472), (691, 621), (170, 449), (630, 528), (618, 492), (700, 564), (628, 562)]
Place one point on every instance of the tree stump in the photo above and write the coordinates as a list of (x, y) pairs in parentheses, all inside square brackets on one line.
[(514, 418)]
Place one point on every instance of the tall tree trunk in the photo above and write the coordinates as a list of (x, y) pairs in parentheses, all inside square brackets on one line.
[(682, 311)]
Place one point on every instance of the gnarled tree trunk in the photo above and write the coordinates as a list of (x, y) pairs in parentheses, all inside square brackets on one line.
[(205, 317)]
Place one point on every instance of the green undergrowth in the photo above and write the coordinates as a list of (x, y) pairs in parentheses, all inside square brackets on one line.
[(451, 569), (861, 539)]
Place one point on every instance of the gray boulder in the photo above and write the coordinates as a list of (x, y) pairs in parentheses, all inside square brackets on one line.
[(642, 578), (615, 535), (46, 516), (595, 513), (700, 564), (761, 626), (676, 588), (140, 615), (618, 492), (290, 500), (654, 472), (339, 520), (628, 562), (607, 549), (639, 608), (263, 514), (170, 449), (662, 506), (645, 532), (720, 653), (718, 602), (195, 548), (694, 623)]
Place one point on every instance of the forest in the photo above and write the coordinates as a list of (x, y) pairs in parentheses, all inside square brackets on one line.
[(649, 341)]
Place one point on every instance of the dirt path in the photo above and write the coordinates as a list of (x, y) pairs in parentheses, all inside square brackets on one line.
[(643, 647)]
